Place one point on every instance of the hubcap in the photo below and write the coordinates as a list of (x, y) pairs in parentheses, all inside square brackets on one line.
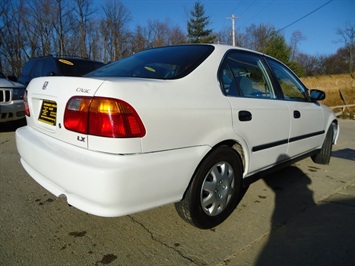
[(217, 188)]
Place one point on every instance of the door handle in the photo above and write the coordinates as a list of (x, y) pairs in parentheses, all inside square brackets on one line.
[(245, 116), (296, 114)]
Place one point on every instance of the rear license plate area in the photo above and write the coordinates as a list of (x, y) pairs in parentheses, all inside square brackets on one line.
[(48, 112)]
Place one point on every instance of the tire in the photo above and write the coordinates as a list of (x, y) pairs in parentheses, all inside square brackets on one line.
[(215, 189), (323, 156)]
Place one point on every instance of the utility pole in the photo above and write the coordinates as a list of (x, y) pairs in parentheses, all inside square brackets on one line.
[(233, 18)]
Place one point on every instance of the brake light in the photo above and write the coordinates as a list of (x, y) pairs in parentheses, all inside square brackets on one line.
[(25, 100), (106, 117)]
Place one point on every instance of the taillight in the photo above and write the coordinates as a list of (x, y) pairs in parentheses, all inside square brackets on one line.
[(25, 100), (76, 114), (104, 117)]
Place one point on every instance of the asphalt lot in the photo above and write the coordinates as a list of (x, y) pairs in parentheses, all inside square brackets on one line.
[(302, 215)]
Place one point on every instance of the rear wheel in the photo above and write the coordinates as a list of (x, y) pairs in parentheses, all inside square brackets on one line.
[(215, 190), (323, 157)]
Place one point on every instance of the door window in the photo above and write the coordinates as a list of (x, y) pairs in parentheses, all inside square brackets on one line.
[(244, 75), (291, 88)]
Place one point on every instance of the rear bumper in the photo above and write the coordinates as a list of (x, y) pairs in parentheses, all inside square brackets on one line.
[(107, 184)]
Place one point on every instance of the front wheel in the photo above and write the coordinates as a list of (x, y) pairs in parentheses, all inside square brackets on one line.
[(215, 190), (323, 156)]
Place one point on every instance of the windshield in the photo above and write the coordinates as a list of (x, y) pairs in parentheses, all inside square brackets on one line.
[(169, 62)]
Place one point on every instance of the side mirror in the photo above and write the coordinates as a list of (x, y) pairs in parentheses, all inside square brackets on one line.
[(317, 95)]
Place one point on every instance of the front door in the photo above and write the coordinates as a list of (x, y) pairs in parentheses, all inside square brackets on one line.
[(306, 117)]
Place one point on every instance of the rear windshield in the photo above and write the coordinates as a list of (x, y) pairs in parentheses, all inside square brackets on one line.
[(171, 62), (77, 67)]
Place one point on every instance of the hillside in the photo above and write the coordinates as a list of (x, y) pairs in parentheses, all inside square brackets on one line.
[(339, 89)]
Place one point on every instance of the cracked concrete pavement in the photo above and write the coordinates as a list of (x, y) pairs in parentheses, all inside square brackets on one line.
[(301, 215)]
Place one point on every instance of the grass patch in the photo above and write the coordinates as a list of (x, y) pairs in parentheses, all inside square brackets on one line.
[(339, 89)]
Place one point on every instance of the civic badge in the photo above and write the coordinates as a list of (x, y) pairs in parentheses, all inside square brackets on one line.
[(45, 84)]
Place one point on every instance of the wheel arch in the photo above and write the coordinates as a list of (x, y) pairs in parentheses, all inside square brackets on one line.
[(233, 144), (335, 126), (236, 146), (191, 208)]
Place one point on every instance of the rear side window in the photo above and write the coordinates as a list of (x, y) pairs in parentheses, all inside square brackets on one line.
[(171, 62), (243, 74)]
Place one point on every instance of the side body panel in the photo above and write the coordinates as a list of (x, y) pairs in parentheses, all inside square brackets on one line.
[(266, 132), (307, 127)]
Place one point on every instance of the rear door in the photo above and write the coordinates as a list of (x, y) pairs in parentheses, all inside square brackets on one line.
[(306, 117), (259, 118)]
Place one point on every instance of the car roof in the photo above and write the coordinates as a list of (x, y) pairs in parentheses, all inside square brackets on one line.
[(225, 48)]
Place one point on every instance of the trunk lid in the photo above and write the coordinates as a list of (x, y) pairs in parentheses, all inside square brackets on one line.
[(47, 99)]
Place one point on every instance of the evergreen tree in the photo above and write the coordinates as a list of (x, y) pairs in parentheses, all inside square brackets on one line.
[(277, 47), (196, 26)]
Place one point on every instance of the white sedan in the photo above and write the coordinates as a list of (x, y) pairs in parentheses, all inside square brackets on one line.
[(189, 124)]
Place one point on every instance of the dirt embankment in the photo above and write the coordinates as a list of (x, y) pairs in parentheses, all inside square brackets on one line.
[(339, 89)]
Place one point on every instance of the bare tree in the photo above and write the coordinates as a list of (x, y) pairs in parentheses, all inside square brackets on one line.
[(157, 34), (296, 38), (224, 36), (312, 65), (176, 36), (256, 37), (114, 27), (94, 40), (62, 19), (337, 63), (83, 12), (31, 35), (31, 28), (347, 35), (41, 19), (162, 34), (139, 39), (11, 39)]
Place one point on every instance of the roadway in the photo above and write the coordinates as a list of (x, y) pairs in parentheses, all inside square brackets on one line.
[(301, 215)]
